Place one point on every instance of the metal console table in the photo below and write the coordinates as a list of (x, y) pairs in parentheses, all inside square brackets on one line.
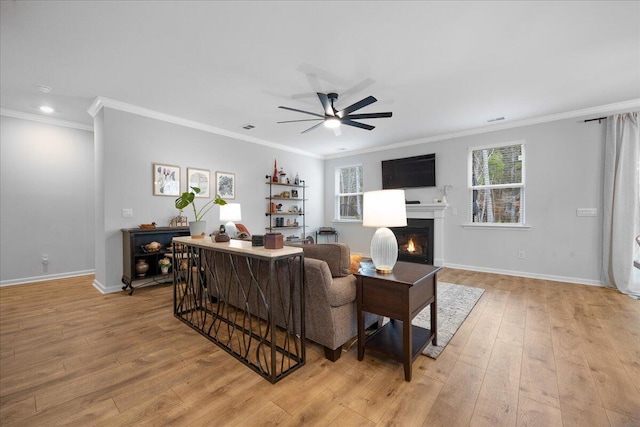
[(247, 300)]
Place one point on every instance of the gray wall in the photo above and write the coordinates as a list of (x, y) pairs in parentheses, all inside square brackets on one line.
[(563, 172), (46, 203), (73, 193), (128, 145)]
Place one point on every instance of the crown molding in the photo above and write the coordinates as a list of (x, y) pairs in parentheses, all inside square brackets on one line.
[(43, 119), (101, 102), (583, 113)]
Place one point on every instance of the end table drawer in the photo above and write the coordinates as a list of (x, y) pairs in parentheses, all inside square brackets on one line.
[(421, 294), (380, 298)]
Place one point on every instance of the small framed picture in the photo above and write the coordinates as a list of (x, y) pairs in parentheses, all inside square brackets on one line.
[(226, 185), (200, 178), (294, 194), (166, 180)]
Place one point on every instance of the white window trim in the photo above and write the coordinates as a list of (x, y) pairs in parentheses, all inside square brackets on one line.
[(337, 194), (522, 225)]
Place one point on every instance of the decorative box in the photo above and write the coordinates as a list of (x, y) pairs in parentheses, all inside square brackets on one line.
[(257, 240), (273, 241)]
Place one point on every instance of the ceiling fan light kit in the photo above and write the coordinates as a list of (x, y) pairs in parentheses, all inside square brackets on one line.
[(332, 123), (332, 118)]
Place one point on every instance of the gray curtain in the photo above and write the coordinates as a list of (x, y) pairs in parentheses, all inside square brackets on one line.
[(621, 210)]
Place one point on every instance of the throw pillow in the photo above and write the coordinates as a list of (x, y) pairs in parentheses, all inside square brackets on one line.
[(354, 266)]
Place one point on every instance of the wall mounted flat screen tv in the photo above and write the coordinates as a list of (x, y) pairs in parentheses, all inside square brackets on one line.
[(417, 171)]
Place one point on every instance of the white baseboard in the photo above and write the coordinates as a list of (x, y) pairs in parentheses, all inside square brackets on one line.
[(44, 278), (106, 289), (578, 281)]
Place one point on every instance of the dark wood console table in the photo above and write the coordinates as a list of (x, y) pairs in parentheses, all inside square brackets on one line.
[(134, 241), (400, 296), (247, 300)]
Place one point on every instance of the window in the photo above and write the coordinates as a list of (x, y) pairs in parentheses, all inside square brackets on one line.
[(349, 193), (496, 184)]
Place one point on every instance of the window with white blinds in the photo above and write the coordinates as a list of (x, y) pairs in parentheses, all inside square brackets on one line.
[(348, 193), (496, 184)]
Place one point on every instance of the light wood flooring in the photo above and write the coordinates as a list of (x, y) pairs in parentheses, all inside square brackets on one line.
[(532, 352)]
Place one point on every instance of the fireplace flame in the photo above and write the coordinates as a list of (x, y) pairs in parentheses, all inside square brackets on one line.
[(411, 247)]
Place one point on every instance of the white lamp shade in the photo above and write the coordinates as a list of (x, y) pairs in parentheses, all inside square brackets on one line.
[(384, 208), (230, 212)]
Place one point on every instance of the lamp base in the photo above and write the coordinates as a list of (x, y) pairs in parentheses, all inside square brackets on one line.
[(384, 250), (231, 229)]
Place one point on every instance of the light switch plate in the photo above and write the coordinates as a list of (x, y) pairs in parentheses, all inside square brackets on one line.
[(127, 213), (587, 212)]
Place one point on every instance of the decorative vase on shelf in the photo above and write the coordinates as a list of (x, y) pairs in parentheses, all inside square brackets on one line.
[(142, 267), (164, 269), (274, 177)]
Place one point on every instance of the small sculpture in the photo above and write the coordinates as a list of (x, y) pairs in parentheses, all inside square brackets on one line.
[(222, 236)]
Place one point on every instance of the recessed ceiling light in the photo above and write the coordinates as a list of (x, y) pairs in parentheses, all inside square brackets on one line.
[(248, 126), (46, 109)]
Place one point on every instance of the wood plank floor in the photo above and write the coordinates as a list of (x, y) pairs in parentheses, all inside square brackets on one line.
[(532, 352)]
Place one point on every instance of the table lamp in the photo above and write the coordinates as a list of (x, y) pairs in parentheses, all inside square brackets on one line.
[(382, 209), (230, 213)]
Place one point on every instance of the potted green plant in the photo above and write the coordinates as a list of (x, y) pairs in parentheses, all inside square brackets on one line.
[(198, 226)]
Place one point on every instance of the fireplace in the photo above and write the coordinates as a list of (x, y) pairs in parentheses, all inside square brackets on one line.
[(415, 241)]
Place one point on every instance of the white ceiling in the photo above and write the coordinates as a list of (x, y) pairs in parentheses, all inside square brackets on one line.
[(440, 67)]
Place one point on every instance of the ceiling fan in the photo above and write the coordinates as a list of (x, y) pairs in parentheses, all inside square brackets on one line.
[(333, 118)]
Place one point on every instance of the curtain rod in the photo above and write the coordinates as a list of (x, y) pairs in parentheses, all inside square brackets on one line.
[(599, 119)]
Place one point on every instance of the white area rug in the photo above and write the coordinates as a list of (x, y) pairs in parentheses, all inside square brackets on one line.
[(455, 302)]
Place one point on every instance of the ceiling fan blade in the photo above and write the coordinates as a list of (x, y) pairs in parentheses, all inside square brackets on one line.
[(356, 124), (326, 104), (301, 111), (358, 105), (357, 88), (369, 115), (303, 120), (314, 83), (312, 127)]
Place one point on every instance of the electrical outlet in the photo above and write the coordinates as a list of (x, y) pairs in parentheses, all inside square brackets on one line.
[(454, 211), (521, 254), (45, 259)]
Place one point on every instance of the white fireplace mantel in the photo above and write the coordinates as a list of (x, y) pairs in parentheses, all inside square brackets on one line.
[(433, 211)]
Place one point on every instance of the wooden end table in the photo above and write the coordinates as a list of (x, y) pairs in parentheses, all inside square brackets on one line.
[(400, 295)]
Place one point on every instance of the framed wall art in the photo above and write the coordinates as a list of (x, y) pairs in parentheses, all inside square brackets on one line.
[(200, 178), (166, 180), (226, 185)]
